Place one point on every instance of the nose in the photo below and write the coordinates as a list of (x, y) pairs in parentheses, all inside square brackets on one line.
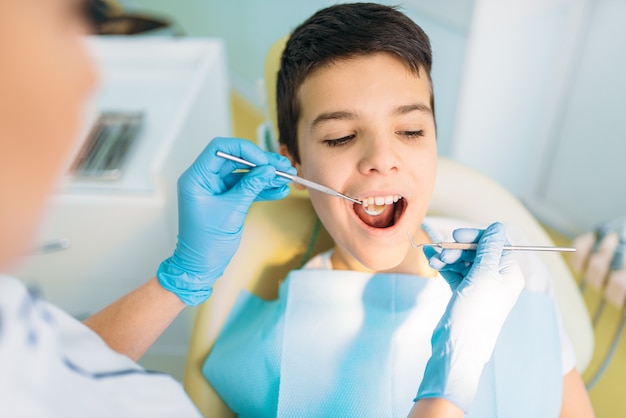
[(379, 156)]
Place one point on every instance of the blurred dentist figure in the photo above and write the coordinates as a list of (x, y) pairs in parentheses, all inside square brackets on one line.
[(51, 364)]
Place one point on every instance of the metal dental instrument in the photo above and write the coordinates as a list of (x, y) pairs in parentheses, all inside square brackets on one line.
[(295, 179), (473, 246), (52, 246)]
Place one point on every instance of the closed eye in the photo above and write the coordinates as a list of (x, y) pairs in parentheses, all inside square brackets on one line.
[(339, 141), (411, 134)]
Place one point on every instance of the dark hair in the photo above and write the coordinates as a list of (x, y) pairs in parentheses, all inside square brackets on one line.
[(339, 32)]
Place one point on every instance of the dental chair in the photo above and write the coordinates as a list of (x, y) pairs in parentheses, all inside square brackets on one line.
[(277, 238)]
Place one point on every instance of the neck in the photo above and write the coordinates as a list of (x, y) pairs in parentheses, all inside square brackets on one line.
[(414, 263)]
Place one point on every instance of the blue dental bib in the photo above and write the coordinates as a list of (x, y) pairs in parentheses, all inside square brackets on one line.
[(351, 344)]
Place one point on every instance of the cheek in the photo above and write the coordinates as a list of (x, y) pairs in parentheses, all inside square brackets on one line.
[(314, 163), (330, 215), (323, 169), (45, 77), (425, 181), (49, 106), (68, 84)]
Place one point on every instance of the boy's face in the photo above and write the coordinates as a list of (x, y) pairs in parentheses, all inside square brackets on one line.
[(367, 130)]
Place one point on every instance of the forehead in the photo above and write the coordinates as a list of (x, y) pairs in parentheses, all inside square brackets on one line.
[(368, 81)]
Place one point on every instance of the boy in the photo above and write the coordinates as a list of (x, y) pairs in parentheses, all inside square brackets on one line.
[(349, 334)]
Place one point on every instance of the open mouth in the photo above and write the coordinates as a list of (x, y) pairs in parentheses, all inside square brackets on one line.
[(380, 211)]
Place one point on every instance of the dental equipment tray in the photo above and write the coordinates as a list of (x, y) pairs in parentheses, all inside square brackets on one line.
[(107, 147)]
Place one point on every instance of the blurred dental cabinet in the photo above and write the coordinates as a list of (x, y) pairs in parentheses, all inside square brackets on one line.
[(159, 103)]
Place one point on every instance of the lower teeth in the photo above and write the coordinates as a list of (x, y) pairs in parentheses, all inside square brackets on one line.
[(374, 210)]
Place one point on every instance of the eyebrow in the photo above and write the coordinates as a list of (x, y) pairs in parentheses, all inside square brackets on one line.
[(420, 107), (340, 115), (345, 115)]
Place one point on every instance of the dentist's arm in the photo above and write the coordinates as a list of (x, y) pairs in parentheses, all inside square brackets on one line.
[(131, 324), (212, 205), (465, 337)]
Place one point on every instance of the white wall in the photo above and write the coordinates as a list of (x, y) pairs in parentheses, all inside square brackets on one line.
[(511, 65), (585, 177), (540, 106)]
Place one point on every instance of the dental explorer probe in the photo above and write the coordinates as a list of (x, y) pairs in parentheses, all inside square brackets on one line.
[(473, 246), (295, 179)]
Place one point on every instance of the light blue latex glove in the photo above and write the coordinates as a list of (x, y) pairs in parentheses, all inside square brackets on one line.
[(485, 284), (212, 205)]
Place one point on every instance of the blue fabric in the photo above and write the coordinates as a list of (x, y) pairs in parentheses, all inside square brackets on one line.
[(244, 364), (354, 344)]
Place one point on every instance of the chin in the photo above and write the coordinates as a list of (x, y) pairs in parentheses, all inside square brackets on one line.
[(389, 259)]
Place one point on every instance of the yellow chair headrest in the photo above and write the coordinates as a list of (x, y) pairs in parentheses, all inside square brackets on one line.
[(272, 65)]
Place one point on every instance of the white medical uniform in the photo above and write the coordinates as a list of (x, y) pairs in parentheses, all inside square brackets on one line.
[(52, 365)]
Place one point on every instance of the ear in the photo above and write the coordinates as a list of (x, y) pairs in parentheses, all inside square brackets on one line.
[(282, 150)]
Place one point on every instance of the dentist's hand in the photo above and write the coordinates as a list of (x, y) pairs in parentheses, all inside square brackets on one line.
[(485, 284), (212, 205)]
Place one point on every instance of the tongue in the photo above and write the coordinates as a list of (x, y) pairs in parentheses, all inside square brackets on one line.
[(383, 220)]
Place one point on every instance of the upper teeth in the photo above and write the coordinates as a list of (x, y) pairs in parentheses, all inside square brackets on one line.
[(374, 206)]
